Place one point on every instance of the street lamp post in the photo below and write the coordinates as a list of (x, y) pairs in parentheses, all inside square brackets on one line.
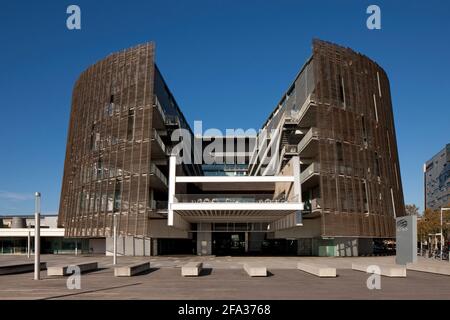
[(29, 243), (37, 237), (442, 232), (114, 239)]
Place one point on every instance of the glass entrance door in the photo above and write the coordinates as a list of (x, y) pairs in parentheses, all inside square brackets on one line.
[(228, 243)]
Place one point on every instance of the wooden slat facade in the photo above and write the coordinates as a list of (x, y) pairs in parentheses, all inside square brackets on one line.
[(354, 114)]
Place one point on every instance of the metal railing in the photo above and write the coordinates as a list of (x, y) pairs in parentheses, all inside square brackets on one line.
[(235, 167), (293, 117), (228, 198)]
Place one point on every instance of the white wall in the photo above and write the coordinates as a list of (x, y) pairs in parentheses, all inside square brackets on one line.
[(129, 246)]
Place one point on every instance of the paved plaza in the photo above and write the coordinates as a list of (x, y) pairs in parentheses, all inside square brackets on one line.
[(223, 278)]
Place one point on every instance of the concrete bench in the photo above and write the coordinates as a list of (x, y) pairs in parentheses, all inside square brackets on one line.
[(255, 270), (62, 270), (430, 268), (191, 269), (317, 270), (20, 268), (392, 271), (131, 270)]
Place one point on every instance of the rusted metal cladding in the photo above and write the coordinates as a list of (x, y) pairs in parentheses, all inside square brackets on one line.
[(107, 166), (360, 182)]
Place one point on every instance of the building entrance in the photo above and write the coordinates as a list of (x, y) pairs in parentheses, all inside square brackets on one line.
[(250, 243), (228, 243)]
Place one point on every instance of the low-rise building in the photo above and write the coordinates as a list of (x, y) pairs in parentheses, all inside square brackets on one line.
[(17, 237)]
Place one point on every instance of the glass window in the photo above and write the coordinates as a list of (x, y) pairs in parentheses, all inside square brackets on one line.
[(99, 168), (377, 165), (365, 193), (339, 152), (364, 130)]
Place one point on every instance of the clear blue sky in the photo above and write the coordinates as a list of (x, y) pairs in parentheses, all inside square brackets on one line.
[(227, 63)]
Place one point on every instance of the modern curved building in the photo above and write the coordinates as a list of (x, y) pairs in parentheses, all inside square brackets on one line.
[(337, 116), (322, 177), (116, 158)]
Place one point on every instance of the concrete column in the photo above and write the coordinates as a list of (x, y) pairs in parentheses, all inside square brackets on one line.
[(29, 244), (246, 241), (115, 240), (154, 247), (204, 240), (172, 177), (147, 247), (297, 189)]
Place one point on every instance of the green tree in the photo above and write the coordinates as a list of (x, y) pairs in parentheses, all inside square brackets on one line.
[(430, 223), (411, 210)]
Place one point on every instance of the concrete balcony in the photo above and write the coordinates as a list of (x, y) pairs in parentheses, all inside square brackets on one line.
[(309, 145), (310, 177), (305, 116), (245, 201), (158, 147), (159, 117), (196, 208), (172, 121), (316, 204), (290, 150), (227, 198), (313, 206), (157, 179)]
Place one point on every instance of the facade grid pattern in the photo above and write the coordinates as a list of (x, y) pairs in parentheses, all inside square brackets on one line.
[(360, 182), (107, 168)]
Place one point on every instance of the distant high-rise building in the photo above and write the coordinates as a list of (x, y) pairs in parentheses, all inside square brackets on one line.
[(437, 180)]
